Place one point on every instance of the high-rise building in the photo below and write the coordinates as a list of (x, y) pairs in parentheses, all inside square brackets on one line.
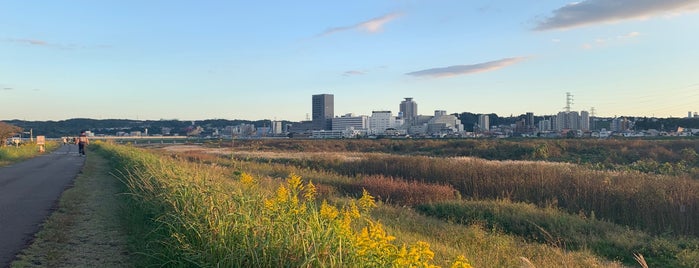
[(408, 108), (545, 125), (529, 120), (323, 111), (573, 120), (483, 123), (277, 127), (584, 121)]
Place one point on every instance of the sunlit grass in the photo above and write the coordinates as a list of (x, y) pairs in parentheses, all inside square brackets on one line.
[(533, 180), (13, 154), (205, 217)]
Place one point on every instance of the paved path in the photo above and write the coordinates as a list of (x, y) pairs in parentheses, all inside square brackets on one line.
[(28, 192)]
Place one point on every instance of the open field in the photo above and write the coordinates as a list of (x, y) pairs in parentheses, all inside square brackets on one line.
[(608, 214)]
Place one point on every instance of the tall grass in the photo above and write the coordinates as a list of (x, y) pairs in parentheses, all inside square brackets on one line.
[(206, 218), (554, 227), (483, 247), (649, 202)]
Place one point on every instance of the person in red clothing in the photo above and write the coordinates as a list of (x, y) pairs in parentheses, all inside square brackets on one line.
[(82, 141)]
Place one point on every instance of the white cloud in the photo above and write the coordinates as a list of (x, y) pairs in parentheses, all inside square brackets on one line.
[(33, 42), (373, 25), (589, 12), (467, 69), (629, 35)]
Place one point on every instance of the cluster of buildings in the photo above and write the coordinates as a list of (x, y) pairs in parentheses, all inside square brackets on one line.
[(406, 123)]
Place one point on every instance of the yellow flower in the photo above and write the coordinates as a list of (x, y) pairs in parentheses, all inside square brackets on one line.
[(247, 179), (367, 201), (461, 262), (327, 211), (294, 182), (282, 195), (352, 211), (270, 204), (310, 191)]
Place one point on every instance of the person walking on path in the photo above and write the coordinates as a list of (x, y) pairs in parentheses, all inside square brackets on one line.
[(82, 141)]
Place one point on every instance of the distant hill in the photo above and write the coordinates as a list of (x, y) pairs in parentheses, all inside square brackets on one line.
[(73, 127)]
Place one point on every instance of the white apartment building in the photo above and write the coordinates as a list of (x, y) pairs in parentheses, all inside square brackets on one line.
[(483, 123), (443, 121), (382, 120), (350, 121), (584, 121), (277, 127)]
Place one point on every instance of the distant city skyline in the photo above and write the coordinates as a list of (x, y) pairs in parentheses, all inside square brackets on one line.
[(150, 60)]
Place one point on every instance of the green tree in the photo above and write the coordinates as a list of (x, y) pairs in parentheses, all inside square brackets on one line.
[(7, 131)]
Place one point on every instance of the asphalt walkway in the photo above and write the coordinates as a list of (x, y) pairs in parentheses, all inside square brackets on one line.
[(29, 191)]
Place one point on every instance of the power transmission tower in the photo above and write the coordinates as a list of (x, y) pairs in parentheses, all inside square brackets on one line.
[(569, 101), (592, 118)]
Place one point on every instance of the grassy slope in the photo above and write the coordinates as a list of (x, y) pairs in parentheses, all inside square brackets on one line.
[(85, 230)]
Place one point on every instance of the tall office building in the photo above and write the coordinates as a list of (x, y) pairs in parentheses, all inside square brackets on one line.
[(408, 108), (323, 111)]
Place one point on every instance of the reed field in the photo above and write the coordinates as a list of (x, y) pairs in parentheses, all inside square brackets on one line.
[(255, 205), (611, 213), (193, 214)]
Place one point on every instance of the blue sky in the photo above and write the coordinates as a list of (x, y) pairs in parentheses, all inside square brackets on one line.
[(264, 59)]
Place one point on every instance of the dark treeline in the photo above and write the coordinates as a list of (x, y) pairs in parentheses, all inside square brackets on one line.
[(73, 127)]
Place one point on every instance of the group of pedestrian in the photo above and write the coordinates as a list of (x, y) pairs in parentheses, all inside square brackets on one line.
[(81, 141)]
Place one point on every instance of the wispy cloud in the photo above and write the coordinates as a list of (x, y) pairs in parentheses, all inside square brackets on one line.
[(589, 12), (372, 25), (7, 88), (353, 72), (629, 35), (32, 42), (600, 42), (43, 43), (467, 69)]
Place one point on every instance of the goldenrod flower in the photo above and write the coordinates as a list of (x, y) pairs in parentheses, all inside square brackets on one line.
[(461, 262), (367, 201), (327, 211), (310, 193), (294, 182), (247, 179)]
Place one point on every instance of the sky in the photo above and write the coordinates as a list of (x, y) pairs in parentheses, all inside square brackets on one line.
[(253, 60)]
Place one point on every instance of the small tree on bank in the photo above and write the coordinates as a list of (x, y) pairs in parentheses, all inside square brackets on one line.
[(7, 131)]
